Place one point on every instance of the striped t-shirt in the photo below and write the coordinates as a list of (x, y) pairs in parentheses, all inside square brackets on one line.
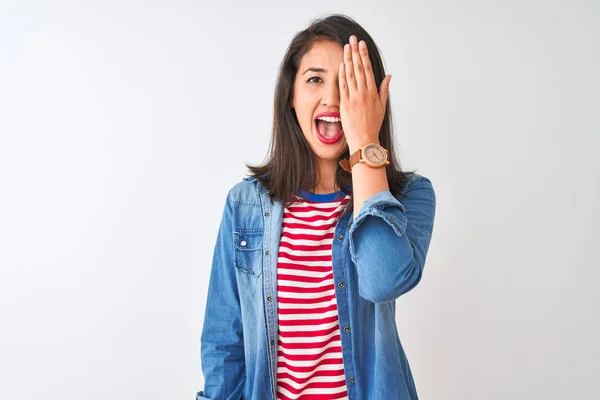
[(309, 361)]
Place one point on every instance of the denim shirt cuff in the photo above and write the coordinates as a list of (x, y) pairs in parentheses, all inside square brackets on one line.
[(383, 205), (377, 205)]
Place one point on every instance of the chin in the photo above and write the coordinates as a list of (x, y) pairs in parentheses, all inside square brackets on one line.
[(331, 153)]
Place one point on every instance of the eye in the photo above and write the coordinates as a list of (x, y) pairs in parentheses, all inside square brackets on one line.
[(310, 80)]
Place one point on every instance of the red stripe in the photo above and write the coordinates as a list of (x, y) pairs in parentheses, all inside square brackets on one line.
[(306, 247), (324, 227), (311, 345), (306, 334), (344, 394), (325, 361), (301, 322), (311, 218), (306, 236), (294, 209), (302, 267), (292, 300), (295, 289), (309, 357), (312, 385), (305, 279), (323, 372), (283, 311), (305, 258)]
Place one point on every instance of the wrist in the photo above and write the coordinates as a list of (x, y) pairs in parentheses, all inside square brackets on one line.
[(352, 147)]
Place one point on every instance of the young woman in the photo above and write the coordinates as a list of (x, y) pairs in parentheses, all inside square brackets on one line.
[(315, 246)]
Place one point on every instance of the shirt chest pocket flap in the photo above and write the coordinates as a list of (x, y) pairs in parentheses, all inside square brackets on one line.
[(248, 251)]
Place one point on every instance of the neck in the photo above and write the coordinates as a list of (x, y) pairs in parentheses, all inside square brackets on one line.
[(326, 182)]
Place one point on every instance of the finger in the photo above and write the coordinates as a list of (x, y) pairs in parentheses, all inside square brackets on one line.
[(358, 66), (350, 80), (384, 91), (342, 83), (369, 76)]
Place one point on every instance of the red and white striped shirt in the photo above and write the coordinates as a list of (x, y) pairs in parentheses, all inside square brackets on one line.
[(309, 362)]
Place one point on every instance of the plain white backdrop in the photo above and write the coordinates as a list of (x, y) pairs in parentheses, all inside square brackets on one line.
[(124, 123)]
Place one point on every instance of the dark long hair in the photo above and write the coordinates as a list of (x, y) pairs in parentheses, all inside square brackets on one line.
[(291, 164)]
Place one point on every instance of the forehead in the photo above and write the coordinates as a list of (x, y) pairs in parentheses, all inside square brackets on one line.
[(323, 53)]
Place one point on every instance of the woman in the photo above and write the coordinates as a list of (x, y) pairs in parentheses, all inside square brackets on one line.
[(315, 246)]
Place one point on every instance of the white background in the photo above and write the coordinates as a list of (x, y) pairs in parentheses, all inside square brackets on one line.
[(124, 123)]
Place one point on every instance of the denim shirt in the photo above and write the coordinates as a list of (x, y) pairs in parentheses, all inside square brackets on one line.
[(376, 258)]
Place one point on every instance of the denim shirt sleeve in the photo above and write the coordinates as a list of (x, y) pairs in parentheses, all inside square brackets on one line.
[(389, 240), (222, 348)]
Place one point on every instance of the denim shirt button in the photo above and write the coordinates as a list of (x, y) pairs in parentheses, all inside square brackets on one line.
[(352, 380), (340, 238), (272, 342), (341, 284), (269, 298), (267, 253), (267, 214), (243, 243), (391, 218), (346, 329)]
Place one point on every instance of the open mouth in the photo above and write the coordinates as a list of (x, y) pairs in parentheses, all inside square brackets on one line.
[(329, 129)]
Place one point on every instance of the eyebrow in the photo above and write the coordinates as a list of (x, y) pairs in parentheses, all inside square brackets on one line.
[(315, 69)]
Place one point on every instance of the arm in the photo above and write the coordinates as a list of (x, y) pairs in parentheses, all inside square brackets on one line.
[(222, 347), (389, 240)]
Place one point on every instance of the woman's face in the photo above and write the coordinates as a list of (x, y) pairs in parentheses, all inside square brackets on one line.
[(316, 91)]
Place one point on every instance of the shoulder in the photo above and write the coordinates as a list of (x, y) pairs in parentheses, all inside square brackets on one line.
[(419, 185), (246, 191)]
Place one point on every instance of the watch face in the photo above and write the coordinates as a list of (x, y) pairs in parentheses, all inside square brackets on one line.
[(375, 154)]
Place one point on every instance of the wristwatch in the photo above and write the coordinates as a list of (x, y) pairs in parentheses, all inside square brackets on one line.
[(372, 154)]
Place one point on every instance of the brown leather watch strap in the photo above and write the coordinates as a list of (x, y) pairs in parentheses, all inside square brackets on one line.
[(348, 164), (355, 157), (345, 164)]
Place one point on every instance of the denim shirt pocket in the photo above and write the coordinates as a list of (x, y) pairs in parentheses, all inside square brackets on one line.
[(248, 251)]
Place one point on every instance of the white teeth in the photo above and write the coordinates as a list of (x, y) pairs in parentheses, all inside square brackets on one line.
[(330, 119)]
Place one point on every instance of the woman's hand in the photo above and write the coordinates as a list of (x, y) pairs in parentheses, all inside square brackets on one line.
[(362, 107)]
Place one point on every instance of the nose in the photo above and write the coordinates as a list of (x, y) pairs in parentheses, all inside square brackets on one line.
[(331, 94)]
